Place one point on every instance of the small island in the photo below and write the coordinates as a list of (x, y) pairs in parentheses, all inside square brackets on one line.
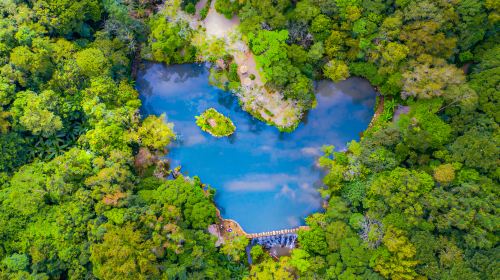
[(215, 123)]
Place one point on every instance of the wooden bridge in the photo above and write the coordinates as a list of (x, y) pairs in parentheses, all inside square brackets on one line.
[(276, 232)]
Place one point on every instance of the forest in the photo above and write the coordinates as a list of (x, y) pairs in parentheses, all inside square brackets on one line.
[(83, 188)]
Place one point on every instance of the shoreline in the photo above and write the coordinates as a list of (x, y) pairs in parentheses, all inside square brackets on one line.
[(256, 107)]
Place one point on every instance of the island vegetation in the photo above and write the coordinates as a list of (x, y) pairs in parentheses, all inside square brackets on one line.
[(84, 192), (215, 123)]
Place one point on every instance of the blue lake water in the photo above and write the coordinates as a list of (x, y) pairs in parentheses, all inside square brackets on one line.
[(265, 180)]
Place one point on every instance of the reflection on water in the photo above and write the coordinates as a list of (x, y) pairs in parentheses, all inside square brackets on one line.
[(265, 180)]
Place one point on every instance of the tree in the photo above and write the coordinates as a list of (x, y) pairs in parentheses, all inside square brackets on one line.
[(270, 269), (92, 62), (423, 130), (393, 85), (484, 80), (124, 252), (227, 7), (316, 52), (424, 29), (16, 262), (268, 46), (462, 96), (472, 26), (198, 212), (170, 41), (335, 233), (313, 241), (254, 13), (476, 150), (396, 261), (105, 137), (354, 256), (416, 197), (444, 173), (65, 16), (190, 9), (430, 78), (299, 260), (305, 11), (257, 253), (320, 27), (402, 190), (394, 52), (105, 90), (234, 246), (36, 62), (4, 122), (35, 114), (13, 151), (26, 194), (391, 26), (334, 45), (7, 90), (366, 70), (154, 133), (336, 70)]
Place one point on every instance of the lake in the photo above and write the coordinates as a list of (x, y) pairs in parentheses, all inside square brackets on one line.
[(265, 180)]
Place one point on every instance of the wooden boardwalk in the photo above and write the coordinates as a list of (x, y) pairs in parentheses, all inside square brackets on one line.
[(276, 232)]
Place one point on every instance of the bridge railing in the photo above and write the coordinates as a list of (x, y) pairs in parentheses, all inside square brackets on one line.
[(276, 232)]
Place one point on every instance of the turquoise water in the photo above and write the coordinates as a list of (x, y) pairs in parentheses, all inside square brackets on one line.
[(265, 180)]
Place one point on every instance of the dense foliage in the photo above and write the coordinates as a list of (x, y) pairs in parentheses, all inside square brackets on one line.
[(215, 123), (80, 194), (388, 42), (417, 197), (82, 188)]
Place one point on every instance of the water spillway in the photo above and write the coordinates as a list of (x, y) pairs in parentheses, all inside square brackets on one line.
[(283, 240), (277, 245), (265, 180)]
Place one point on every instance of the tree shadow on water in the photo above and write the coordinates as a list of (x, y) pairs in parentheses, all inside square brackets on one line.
[(227, 99), (232, 138)]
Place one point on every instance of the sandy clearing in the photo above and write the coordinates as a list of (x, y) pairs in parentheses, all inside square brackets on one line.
[(217, 25)]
